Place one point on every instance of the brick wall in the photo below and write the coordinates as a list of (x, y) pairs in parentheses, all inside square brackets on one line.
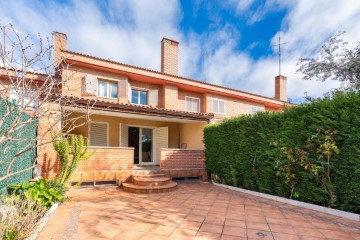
[(280, 88), (183, 163), (107, 164), (170, 97), (169, 56)]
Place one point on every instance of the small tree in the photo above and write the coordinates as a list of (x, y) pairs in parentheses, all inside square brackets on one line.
[(71, 150), (334, 61), (323, 146), (31, 84), (287, 162)]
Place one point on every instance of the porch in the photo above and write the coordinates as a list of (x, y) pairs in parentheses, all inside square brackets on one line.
[(134, 144)]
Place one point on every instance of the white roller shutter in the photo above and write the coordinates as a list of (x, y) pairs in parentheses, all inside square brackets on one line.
[(162, 141), (124, 135), (98, 134), (91, 83)]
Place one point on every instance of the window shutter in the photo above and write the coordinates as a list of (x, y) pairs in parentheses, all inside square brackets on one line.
[(122, 89), (91, 83), (124, 135), (222, 106), (154, 97), (161, 141), (99, 134), (128, 86), (215, 105)]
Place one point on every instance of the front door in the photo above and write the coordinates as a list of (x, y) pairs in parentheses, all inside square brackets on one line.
[(141, 139)]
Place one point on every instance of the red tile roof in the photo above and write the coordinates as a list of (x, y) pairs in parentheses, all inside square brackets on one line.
[(136, 109)]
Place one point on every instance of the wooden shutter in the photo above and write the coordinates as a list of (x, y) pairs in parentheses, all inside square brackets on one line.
[(98, 134), (161, 141), (91, 83), (124, 135), (154, 97)]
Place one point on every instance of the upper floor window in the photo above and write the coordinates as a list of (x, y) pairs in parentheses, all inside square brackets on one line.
[(139, 97), (255, 109), (192, 104), (25, 98), (107, 89), (218, 106)]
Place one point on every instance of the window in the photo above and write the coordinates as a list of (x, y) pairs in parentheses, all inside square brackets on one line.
[(218, 106), (27, 97), (192, 104), (107, 89), (255, 110), (139, 97), (98, 134)]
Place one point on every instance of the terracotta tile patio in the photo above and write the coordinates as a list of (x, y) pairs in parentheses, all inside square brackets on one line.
[(193, 211)]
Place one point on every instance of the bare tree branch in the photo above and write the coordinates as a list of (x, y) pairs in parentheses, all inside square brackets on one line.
[(31, 85)]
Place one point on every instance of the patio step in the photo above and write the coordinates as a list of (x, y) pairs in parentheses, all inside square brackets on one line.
[(150, 175), (133, 188), (151, 181)]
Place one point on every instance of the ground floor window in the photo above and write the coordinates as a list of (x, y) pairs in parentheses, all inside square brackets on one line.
[(99, 132)]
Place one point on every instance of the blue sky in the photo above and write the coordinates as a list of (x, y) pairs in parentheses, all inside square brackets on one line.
[(230, 43)]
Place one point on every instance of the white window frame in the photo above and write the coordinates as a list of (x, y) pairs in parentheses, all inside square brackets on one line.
[(27, 96), (219, 100), (107, 133), (192, 98), (256, 109), (155, 161), (140, 90), (108, 88)]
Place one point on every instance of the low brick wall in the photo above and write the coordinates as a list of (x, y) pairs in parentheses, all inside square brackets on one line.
[(107, 164), (183, 163)]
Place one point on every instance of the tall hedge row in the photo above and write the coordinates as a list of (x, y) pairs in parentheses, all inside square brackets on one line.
[(10, 148), (242, 146)]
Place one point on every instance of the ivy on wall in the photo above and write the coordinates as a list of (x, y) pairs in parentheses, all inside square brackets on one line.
[(10, 148), (240, 151)]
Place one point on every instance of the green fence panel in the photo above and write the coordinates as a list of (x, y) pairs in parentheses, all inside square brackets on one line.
[(9, 149)]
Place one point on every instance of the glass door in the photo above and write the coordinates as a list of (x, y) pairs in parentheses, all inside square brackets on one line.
[(146, 153), (133, 141)]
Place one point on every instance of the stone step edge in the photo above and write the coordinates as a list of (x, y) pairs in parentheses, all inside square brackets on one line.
[(150, 175), (148, 179), (167, 186)]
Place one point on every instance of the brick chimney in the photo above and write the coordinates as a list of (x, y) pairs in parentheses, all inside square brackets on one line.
[(280, 88), (169, 56), (60, 43)]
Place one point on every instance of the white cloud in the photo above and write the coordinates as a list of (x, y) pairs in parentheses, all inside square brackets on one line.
[(306, 26), (131, 31)]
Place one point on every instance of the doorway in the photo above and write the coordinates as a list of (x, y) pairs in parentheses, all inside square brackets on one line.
[(141, 139)]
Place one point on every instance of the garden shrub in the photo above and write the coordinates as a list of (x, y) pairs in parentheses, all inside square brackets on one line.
[(245, 145), (40, 192)]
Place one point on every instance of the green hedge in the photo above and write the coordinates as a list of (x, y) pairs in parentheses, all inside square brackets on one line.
[(10, 148), (242, 146)]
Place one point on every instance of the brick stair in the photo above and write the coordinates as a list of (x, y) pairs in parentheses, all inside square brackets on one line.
[(151, 183)]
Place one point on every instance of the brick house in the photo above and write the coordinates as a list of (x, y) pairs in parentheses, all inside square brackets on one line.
[(143, 119)]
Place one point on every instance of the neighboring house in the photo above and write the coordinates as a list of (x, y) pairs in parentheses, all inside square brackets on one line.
[(142, 117)]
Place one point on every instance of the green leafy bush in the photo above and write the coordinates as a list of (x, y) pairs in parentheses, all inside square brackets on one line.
[(246, 144), (38, 192)]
